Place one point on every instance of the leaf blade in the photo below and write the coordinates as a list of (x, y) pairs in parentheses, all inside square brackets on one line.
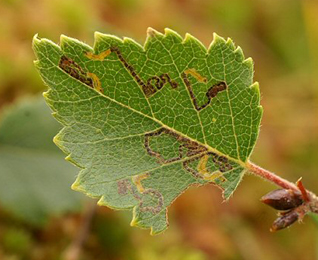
[(189, 112)]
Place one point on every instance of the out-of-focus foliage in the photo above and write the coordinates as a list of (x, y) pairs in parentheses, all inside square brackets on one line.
[(34, 179), (281, 37)]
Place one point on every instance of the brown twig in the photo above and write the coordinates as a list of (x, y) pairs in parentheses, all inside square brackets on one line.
[(311, 200)]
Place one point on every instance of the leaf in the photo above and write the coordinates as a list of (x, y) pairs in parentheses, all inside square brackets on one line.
[(146, 122), (34, 179)]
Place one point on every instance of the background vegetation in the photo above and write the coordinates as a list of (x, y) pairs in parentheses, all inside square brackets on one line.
[(281, 37)]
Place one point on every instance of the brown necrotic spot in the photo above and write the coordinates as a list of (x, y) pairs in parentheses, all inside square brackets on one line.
[(153, 84), (211, 92)]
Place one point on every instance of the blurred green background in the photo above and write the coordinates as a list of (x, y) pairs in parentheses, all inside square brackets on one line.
[(40, 216)]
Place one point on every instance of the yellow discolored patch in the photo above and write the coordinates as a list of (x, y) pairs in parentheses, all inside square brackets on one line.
[(202, 165), (96, 82), (195, 74), (98, 57), (137, 181), (206, 174)]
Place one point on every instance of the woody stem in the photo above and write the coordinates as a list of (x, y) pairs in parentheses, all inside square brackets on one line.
[(285, 184), (270, 176)]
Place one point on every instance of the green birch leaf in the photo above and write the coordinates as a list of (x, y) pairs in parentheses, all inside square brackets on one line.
[(146, 122)]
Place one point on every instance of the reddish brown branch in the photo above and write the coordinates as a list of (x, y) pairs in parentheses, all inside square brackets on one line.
[(270, 176), (310, 198)]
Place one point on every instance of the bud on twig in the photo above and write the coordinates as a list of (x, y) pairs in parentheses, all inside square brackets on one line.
[(294, 204), (285, 220), (283, 199)]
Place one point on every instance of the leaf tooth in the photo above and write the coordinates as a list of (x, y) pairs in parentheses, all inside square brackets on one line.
[(36, 41), (190, 39), (154, 232), (102, 41), (230, 44), (45, 94), (173, 34), (37, 64), (78, 187), (256, 90), (216, 40), (249, 63), (98, 36), (70, 159), (43, 46), (152, 36), (102, 202), (153, 33), (260, 110), (255, 87), (103, 37), (134, 221), (227, 195), (69, 42), (239, 53), (64, 40), (130, 41), (58, 140)]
